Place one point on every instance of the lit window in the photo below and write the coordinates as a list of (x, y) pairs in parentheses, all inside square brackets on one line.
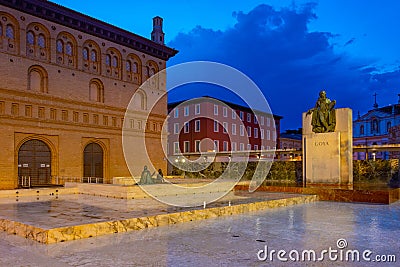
[(93, 56), (108, 60), (176, 148)]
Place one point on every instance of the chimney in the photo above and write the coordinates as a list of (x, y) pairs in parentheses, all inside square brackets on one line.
[(157, 35)]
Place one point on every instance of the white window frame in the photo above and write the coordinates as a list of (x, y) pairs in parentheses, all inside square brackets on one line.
[(176, 128), (176, 148), (176, 113), (248, 117), (225, 146), (233, 146), (233, 129), (255, 132), (197, 109), (186, 127), (241, 130), (197, 145), (216, 126), (233, 114), (186, 146), (216, 110), (225, 127), (225, 112), (216, 145), (241, 147), (186, 111), (197, 126), (249, 131)]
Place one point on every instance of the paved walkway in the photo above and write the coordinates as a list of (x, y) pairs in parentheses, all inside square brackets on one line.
[(227, 241)]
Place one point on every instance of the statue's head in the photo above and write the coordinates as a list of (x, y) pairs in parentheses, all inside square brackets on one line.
[(145, 167), (322, 94)]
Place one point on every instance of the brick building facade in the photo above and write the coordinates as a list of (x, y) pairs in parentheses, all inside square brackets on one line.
[(66, 82), (208, 124)]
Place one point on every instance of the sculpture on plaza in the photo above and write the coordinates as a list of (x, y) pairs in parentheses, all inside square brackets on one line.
[(146, 177), (323, 115)]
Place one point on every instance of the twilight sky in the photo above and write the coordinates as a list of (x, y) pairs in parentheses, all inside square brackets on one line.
[(290, 49)]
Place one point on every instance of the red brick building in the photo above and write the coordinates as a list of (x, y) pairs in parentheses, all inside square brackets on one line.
[(208, 124)]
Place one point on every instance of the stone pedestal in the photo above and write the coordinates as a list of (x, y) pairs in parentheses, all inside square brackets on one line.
[(328, 157)]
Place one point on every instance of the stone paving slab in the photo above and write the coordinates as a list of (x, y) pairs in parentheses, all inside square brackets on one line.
[(51, 219)]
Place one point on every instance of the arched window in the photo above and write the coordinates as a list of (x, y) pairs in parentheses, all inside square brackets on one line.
[(108, 60), (10, 31), (151, 69), (66, 49), (113, 66), (60, 46), (139, 100), (85, 54), (362, 129), (96, 91), (30, 38), (37, 79), (9, 34), (91, 61), (133, 66), (38, 42)]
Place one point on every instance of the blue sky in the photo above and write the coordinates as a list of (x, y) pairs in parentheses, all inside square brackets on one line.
[(291, 49)]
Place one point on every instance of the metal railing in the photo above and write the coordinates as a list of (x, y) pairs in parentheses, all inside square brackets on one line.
[(91, 180), (24, 181)]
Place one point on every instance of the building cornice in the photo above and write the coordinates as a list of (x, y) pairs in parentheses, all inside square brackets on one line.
[(78, 21)]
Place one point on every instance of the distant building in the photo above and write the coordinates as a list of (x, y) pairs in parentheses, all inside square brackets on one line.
[(374, 127), (289, 140), (208, 124)]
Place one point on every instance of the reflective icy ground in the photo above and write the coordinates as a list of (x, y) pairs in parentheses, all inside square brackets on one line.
[(230, 241)]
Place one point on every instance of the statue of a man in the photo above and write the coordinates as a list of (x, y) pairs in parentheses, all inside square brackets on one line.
[(323, 114), (146, 177)]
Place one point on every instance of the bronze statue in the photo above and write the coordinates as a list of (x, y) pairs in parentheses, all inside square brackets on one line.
[(146, 177), (323, 115)]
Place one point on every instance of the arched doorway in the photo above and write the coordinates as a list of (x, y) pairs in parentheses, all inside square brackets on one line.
[(34, 161), (93, 161)]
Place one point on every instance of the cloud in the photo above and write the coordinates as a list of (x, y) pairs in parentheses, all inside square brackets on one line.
[(287, 61)]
